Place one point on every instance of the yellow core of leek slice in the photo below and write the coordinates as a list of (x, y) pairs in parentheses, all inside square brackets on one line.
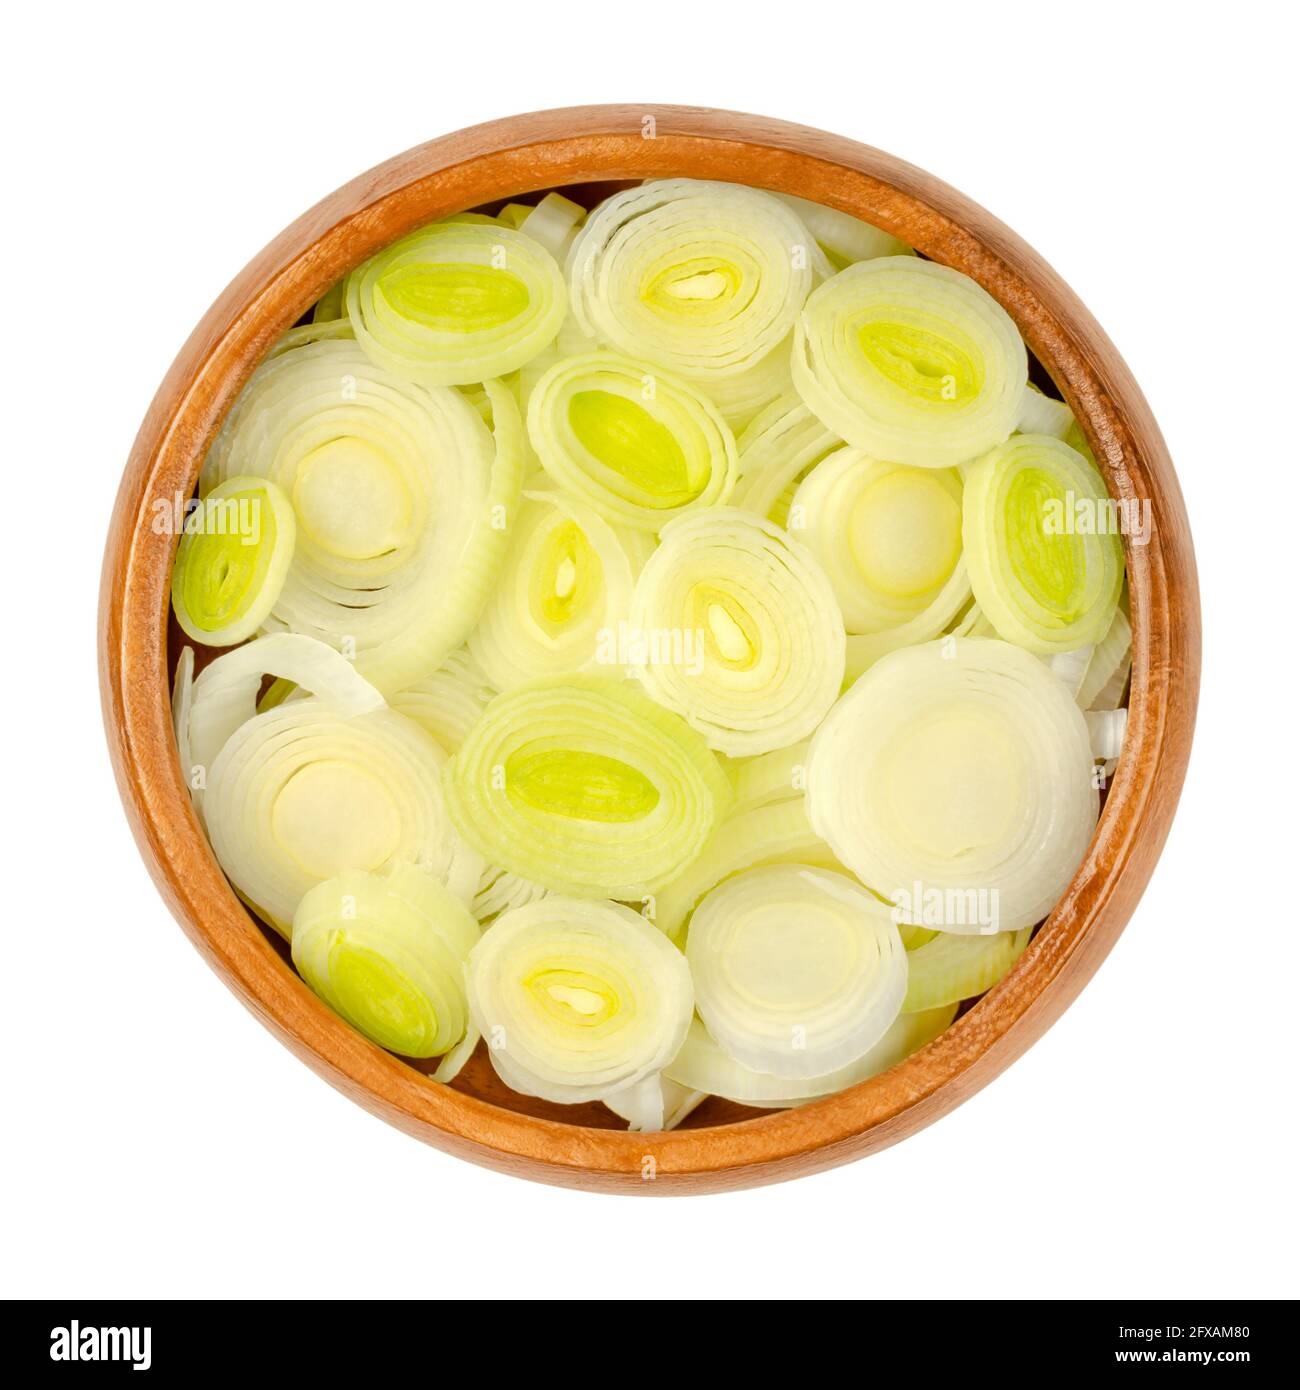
[(567, 580), (350, 501), (454, 297), (630, 442), (905, 533), (220, 570), (701, 284), (731, 636), (580, 786), (936, 367), (573, 998), (1047, 565), (758, 958), (380, 1000), (333, 815)]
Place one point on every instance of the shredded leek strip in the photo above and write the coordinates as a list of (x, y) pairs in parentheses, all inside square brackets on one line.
[(554, 224), (1070, 667), (513, 215), (705, 1066), (499, 890), (640, 446), (1040, 414), (1044, 573), (1106, 730), (910, 361), (182, 699), (578, 1000), (448, 703), (775, 776), (402, 496), (797, 971), (457, 302), (779, 446), (586, 786), (951, 968), (388, 954), (565, 587), (843, 237), (329, 307), (1109, 665), (453, 1062), (957, 772), (655, 1104), (302, 793), (232, 561), (755, 655), (888, 536), (704, 279), (913, 936), (325, 331)]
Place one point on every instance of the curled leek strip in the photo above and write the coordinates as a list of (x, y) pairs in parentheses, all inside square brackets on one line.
[(585, 786), (703, 1065), (950, 968), (1070, 667), (388, 954), (742, 634), (638, 445), (910, 361), (668, 1104), (704, 279), (797, 971), (564, 588), (232, 561), (457, 302), (448, 703), (402, 496), (1108, 669), (453, 1062), (841, 236), (554, 223), (777, 449), (960, 768), (888, 537), (1040, 414), (1106, 728), (302, 793), (182, 698), (499, 891), (578, 1000), (1043, 567), (775, 776)]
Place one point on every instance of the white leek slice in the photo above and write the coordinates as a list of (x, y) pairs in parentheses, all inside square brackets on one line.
[(1040, 414), (1109, 666), (655, 1104), (797, 971), (843, 237), (457, 302), (448, 703), (232, 561), (554, 223), (578, 1000), (743, 635), (950, 968), (403, 501), (564, 588), (962, 767), (586, 786), (302, 793), (638, 445), (705, 1066), (910, 361), (888, 537), (388, 954), (777, 449), (1107, 728), (1043, 568), (705, 279)]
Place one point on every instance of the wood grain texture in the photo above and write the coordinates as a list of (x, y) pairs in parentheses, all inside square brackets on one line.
[(476, 1119)]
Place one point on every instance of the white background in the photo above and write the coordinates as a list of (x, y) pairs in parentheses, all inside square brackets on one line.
[(157, 1141)]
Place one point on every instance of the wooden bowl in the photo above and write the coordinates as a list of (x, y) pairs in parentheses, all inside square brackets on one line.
[(723, 1145)]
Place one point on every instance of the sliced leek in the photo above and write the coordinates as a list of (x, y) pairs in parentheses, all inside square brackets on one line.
[(1043, 565), (388, 954), (586, 786), (776, 450), (448, 703), (910, 361), (1108, 667), (949, 968), (743, 635), (1040, 414), (578, 1000), (842, 237), (655, 1104)]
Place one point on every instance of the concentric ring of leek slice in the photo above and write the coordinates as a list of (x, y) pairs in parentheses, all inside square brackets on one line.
[(742, 397), (448, 703), (705, 279), (777, 449), (565, 585), (741, 633), (638, 445), (959, 768), (888, 537), (797, 971), (950, 611), (910, 361), (1108, 668), (388, 954), (584, 785), (499, 890), (232, 561), (705, 1066), (950, 968), (1045, 569), (302, 793), (457, 302), (578, 1000), (843, 237), (403, 502)]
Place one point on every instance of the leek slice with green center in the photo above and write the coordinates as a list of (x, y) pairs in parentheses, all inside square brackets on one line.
[(797, 971), (1043, 567), (578, 1000), (232, 561), (586, 786), (742, 634), (949, 968), (636, 444), (457, 302), (388, 954), (704, 279), (960, 768), (910, 361)]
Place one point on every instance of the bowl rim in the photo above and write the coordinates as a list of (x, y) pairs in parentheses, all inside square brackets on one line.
[(506, 159)]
